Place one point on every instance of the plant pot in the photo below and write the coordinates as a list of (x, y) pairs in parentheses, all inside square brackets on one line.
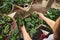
[(23, 8), (14, 35), (12, 25), (6, 9), (26, 14)]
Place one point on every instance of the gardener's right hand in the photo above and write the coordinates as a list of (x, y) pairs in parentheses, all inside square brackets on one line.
[(41, 15)]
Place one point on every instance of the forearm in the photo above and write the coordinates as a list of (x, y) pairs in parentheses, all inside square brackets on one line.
[(49, 22), (25, 34)]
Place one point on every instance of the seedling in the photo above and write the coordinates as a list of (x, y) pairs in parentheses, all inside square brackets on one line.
[(5, 24), (31, 21)]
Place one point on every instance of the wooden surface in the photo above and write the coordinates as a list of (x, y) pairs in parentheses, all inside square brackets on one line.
[(55, 5)]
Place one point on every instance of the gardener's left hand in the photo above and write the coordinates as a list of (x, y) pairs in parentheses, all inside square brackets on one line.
[(22, 28)]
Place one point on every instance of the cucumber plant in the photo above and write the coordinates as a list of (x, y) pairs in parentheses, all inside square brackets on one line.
[(22, 2), (31, 22), (1, 36), (7, 5), (5, 24), (14, 35), (52, 14)]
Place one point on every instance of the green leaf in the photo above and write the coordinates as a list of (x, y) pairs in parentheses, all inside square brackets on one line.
[(13, 38), (1, 36), (2, 22), (33, 31), (27, 19)]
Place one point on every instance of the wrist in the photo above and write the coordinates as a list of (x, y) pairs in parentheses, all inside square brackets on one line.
[(42, 16), (22, 29)]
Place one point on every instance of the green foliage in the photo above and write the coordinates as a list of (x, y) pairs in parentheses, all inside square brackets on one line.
[(1, 37), (5, 24), (14, 35), (0, 28), (6, 29), (30, 22), (20, 21), (6, 5), (53, 13), (33, 31), (2, 22), (28, 19), (22, 2)]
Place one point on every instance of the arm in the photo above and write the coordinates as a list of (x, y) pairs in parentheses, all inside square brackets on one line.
[(47, 20), (25, 34)]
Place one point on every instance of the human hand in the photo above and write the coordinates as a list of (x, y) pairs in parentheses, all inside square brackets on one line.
[(41, 15), (22, 27)]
